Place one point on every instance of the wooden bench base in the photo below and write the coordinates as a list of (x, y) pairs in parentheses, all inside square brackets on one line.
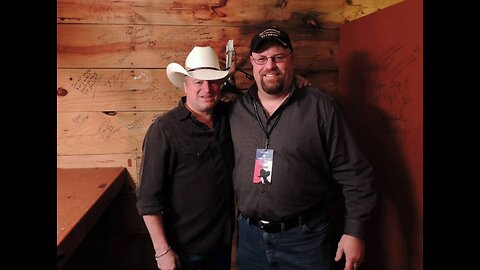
[(82, 196)]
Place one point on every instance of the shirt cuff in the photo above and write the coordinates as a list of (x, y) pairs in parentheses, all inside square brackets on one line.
[(150, 210), (355, 228)]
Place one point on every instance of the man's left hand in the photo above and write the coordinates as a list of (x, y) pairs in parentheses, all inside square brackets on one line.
[(354, 249)]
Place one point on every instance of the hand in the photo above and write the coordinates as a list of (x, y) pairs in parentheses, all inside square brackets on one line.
[(354, 249), (169, 261), (301, 81)]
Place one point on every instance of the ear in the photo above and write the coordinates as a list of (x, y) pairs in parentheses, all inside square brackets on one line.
[(184, 86), (251, 60)]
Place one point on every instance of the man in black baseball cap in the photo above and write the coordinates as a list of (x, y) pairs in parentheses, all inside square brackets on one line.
[(270, 34), (290, 142)]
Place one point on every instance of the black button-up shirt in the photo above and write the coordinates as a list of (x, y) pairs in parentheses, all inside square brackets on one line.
[(186, 174), (312, 145)]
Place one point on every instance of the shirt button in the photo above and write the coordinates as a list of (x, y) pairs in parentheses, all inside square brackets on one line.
[(262, 191)]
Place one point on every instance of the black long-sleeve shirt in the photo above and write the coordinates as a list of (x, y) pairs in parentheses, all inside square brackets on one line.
[(312, 145), (186, 174)]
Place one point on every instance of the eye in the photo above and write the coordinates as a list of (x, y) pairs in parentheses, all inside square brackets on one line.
[(262, 59), (216, 81)]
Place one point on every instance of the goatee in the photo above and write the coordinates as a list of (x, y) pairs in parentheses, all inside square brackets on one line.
[(272, 88)]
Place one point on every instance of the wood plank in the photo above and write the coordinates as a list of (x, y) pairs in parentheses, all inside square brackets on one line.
[(355, 9), (93, 133), (298, 13), (154, 46), (85, 90), (203, 12), (115, 90), (82, 197), (326, 80), (128, 161)]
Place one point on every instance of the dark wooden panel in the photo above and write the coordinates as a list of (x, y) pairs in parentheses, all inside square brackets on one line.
[(82, 196), (204, 12), (153, 46), (298, 13)]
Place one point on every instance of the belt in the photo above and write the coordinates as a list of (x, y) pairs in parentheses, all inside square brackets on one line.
[(274, 227)]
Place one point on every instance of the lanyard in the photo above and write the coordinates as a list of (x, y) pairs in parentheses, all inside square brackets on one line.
[(267, 132)]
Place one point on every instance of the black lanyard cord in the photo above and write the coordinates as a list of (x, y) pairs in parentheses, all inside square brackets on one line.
[(267, 132)]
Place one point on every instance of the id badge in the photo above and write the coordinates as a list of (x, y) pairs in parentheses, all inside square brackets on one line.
[(262, 173)]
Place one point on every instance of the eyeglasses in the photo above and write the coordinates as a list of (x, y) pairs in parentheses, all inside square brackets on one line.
[(279, 58)]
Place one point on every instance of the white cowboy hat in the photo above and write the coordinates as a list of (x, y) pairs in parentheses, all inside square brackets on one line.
[(201, 64)]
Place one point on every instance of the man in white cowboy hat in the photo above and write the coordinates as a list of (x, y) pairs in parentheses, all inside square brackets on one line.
[(185, 194)]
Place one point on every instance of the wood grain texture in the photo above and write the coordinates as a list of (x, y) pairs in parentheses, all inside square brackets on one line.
[(93, 133), (154, 46), (86, 90), (115, 90), (128, 161), (297, 13)]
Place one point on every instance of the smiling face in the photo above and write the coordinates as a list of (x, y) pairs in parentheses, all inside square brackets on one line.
[(202, 96), (276, 75)]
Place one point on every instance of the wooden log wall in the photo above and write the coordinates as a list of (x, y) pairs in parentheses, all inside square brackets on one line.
[(112, 55)]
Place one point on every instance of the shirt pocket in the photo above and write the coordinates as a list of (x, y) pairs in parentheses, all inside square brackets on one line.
[(195, 150)]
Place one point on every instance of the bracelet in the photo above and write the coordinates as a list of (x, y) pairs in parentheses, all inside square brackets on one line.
[(165, 252)]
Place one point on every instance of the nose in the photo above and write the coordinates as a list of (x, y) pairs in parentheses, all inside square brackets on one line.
[(207, 85), (270, 63)]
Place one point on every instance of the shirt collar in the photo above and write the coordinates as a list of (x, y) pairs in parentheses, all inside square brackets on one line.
[(183, 112)]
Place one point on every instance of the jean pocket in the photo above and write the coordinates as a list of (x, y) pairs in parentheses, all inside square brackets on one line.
[(316, 225)]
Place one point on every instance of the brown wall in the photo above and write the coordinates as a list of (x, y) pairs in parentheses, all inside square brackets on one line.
[(381, 88), (111, 59), (111, 81)]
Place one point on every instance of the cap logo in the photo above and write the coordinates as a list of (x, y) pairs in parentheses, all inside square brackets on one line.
[(269, 33), (272, 33)]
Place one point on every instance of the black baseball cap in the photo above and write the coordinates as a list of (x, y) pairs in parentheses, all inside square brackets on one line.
[(270, 33)]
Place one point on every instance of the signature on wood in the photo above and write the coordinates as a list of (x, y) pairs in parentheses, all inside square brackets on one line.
[(136, 124), (116, 80), (107, 129), (86, 82), (79, 119), (144, 76), (139, 36)]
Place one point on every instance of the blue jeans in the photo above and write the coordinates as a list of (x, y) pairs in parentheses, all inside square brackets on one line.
[(305, 247), (217, 260)]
